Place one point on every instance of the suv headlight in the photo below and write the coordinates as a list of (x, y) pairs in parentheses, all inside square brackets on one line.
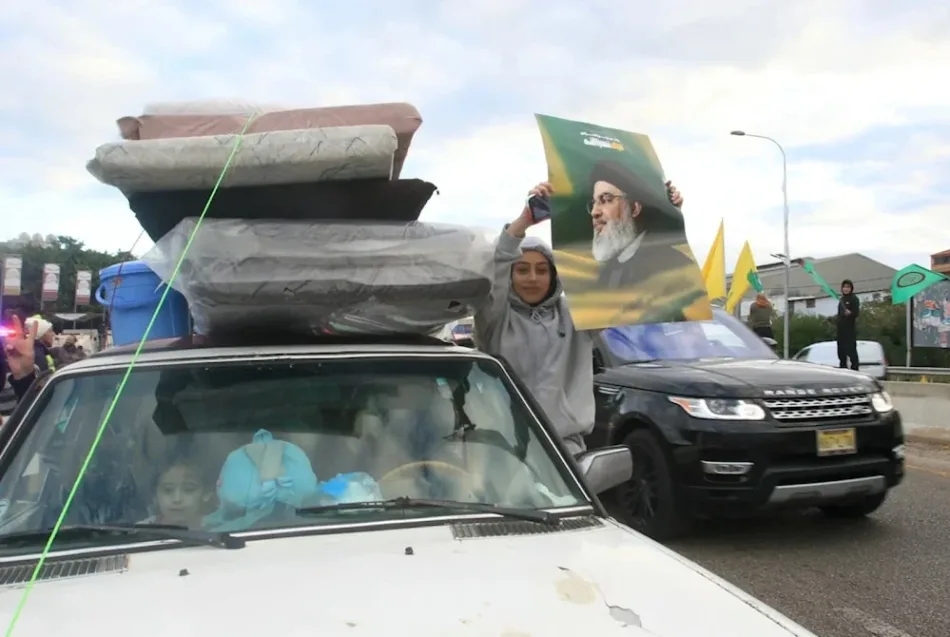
[(719, 408), (881, 402)]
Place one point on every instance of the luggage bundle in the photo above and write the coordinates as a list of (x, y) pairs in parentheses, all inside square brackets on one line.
[(311, 228)]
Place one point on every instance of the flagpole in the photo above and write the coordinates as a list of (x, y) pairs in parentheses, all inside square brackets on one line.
[(909, 331), (786, 323)]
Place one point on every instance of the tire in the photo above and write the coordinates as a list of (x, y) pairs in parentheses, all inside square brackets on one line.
[(859, 509), (650, 502)]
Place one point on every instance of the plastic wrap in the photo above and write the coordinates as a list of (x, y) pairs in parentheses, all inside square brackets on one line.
[(278, 157), (297, 276), (210, 107)]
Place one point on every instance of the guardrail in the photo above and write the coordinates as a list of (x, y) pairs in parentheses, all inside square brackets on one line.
[(918, 371)]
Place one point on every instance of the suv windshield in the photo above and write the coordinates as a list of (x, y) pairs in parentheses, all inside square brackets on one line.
[(240, 446), (722, 337)]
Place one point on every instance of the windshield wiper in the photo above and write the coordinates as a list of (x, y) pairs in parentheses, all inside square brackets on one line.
[(183, 534), (530, 515)]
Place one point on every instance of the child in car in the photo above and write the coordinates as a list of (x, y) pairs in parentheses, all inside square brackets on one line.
[(182, 494)]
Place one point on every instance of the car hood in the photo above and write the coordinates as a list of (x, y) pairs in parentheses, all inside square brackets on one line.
[(739, 378), (422, 581)]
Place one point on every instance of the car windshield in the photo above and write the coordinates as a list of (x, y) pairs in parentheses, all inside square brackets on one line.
[(722, 337), (242, 446)]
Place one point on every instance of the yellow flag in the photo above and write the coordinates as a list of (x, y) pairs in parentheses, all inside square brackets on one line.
[(745, 276), (714, 269)]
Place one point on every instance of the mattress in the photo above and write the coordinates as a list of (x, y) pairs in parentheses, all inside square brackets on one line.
[(296, 276), (279, 157), (400, 200), (200, 119)]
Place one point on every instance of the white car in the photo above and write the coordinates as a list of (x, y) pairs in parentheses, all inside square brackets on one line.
[(329, 489), (871, 358)]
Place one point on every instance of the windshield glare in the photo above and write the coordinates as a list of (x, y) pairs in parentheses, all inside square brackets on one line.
[(238, 447), (722, 337)]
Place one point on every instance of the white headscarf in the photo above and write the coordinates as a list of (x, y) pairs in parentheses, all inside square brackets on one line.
[(42, 325)]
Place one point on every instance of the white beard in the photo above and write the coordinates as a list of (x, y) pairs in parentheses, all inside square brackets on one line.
[(614, 238)]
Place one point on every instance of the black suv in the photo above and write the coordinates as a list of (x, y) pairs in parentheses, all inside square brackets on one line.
[(719, 425)]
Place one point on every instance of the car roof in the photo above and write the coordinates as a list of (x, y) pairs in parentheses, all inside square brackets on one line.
[(195, 349), (835, 343)]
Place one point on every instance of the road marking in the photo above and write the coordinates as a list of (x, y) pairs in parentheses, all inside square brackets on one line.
[(936, 472), (872, 624)]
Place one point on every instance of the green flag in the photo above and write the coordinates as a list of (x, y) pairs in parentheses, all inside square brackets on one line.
[(810, 269), (912, 280), (753, 278)]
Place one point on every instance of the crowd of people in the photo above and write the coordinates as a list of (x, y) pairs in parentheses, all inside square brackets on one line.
[(29, 350)]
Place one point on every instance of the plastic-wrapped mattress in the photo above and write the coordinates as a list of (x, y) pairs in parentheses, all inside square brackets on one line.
[(372, 278), (401, 200), (263, 159)]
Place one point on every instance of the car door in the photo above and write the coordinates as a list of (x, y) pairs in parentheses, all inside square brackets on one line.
[(872, 360), (604, 402)]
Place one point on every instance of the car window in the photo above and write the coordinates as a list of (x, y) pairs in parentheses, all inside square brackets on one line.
[(176, 449), (724, 336), (803, 355)]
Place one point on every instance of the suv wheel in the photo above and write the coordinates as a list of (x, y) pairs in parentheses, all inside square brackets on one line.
[(649, 502), (859, 509)]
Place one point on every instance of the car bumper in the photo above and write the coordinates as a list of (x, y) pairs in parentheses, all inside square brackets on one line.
[(746, 467)]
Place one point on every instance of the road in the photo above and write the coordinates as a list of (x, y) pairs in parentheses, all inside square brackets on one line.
[(886, 576)]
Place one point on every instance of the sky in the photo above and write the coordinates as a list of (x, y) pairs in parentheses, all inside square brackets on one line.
[(850, 88)]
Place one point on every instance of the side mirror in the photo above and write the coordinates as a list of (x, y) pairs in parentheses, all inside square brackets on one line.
[(606, 468), (771, 342)]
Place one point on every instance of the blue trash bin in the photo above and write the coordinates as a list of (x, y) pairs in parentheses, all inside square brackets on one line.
[(131, 292)]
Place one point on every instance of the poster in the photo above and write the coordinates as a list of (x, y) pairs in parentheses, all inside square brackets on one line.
[(83, 287), (619, 244), (50, 282), (931, 316), (12, 275)]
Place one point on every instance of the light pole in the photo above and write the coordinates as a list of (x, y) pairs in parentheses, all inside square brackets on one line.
[(788, 258)]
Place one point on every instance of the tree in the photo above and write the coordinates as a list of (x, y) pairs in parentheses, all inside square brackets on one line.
[(70, 254)]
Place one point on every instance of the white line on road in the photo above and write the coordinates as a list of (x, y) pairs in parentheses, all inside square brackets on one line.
[(872, 624)]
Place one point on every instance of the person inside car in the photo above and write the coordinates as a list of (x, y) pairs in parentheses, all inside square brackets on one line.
[(182, 494)]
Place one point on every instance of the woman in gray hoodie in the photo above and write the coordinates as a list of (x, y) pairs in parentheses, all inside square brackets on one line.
[(526, 320)]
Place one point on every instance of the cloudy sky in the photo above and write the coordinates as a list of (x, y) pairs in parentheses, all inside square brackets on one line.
[(852, 89)]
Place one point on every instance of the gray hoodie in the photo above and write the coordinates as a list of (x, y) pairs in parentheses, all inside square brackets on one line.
[(553, 359)]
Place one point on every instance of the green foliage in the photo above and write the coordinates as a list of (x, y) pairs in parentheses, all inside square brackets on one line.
[(879, 321), (71, 255)]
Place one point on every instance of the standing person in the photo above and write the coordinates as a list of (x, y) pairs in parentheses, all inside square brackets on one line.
[(527, 322), (68, 352), (849, 308), (44, 336), (760, 316), (19, 354)]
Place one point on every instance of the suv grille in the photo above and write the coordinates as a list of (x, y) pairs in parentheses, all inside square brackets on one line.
[(820, 409)]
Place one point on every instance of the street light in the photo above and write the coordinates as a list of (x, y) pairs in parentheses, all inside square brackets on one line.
[(787, 259)]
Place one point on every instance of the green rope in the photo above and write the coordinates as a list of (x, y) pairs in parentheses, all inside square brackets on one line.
[(118, 393)]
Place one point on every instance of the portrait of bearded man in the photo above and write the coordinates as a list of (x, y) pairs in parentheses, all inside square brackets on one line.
[(636, 231)]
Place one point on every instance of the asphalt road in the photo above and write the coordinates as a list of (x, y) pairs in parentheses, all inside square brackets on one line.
[(886, 576)]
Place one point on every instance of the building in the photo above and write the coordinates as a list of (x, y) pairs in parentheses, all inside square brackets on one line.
[(872, 282), (940, 262)]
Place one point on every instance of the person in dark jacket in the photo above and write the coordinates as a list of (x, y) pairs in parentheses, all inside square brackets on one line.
[(43, 338), (849, 308), (19, 357), (760, 316)]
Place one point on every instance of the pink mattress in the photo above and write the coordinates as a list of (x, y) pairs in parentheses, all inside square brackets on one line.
[(404, 119)]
